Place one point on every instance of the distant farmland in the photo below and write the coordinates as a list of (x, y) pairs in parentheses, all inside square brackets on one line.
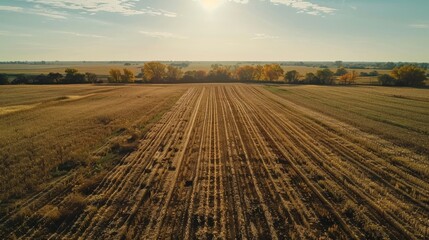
[(203, 161)]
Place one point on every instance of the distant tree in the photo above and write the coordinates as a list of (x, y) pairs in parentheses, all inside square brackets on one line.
[(339, 64), (73, 76), (4, 79), (258, 73), (54, 78), (348, 78), (386, 80), (115, 75), (192, 76), (245, 73), (128, 76), (369, 74), (292, 76), (40, 79), (173, 73), (219, 73), (341, 72), (200, 75), (325, 76), (311, 78), (21, 79), (373, 74), (154, 71), (273, 72), (409, 75), (389, 65), (91, 77)]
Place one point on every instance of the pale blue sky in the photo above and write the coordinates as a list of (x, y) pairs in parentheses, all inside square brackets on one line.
[(252, 30)]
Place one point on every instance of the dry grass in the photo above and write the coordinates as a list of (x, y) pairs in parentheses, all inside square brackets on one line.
[(60, 127), (238, 161), (401, 114)]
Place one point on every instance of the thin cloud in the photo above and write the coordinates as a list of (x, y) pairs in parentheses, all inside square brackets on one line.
[(305, 7), (81, 34), (11, 8), (36, 10), (162, 35), (124, 7), (419, 26), (262, 36), (11, 34)]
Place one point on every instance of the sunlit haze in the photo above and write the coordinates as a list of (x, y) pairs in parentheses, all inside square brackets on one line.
[(214, 30)]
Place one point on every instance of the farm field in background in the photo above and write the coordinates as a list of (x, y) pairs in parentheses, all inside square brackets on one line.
[(214, 161)]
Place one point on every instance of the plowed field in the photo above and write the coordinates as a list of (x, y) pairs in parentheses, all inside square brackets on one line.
[(237, 161)]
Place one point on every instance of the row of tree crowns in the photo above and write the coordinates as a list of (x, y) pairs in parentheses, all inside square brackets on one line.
[(159, 72), (407, 75)]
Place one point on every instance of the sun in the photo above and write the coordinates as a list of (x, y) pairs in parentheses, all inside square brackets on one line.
[(210, 5)]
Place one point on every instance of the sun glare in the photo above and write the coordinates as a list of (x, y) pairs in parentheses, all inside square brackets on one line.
[(211, 5)]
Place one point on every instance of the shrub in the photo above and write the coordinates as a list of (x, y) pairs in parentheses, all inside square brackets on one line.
[(4, 79)]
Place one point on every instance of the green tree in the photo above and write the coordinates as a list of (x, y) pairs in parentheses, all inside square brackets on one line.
[(219, 73), (292, 76), (341, 72), (325, 76), (4, 79), (311, 78), (409, 75), (386, 80), (73, 76)]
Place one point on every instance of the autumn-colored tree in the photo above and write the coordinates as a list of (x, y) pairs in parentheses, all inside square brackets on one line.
[(292, 76), (115, 75), (128, 76), (245, 73), (154, 71), (349, 78), (258, 73), (273, 72), (409, 75), (173, 73)]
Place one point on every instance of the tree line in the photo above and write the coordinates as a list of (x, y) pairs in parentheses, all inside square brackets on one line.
[(71, 76), (406, 75), (157, 72)]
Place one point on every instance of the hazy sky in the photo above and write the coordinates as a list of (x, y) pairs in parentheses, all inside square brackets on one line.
[(348, 30)]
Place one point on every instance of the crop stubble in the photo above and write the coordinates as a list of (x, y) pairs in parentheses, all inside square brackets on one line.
[(236, 161)]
